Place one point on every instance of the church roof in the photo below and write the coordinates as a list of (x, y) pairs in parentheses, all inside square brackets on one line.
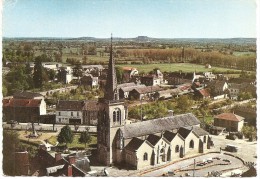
[(153, 139), (169, 135), (134, 144), (159, 125), (199, 131), (184, 132)]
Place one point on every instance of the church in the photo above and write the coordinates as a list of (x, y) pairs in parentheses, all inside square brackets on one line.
[(146, 143)]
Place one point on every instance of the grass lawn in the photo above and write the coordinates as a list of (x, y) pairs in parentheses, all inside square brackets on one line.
[(185, 67), (75, 143)]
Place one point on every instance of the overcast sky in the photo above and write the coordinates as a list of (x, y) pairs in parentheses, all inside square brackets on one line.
[(130, 18)]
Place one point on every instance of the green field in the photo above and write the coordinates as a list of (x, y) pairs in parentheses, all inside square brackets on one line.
[(185, 67)]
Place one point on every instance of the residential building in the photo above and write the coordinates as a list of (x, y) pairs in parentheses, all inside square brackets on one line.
[(128, 73), (89, 81), (230, 121), (23, 110), (126, 88), (27, 95), (145, 92)]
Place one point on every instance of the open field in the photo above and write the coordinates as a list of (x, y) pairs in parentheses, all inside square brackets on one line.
[(185, 67)]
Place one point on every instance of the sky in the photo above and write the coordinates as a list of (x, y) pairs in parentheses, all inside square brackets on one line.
[(129, 18)]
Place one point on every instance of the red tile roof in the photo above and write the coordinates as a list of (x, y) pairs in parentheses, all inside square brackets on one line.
[(204, 92), (21, 102), (229, 117)]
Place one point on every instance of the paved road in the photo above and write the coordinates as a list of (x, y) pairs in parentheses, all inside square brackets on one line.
[(187, 164), (48, 126)]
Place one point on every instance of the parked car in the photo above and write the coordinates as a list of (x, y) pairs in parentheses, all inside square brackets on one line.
[(200, 164)]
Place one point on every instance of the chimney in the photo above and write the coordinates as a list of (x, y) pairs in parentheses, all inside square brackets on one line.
[(69, 171), (170, 112), (57, 157), (72, 160)]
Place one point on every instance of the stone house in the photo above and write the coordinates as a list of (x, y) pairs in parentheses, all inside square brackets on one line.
[(146, 92), (77, 112), (23, 110), (230, 121), (126, 88)]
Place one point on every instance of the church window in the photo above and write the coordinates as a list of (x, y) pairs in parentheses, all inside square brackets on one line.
[(177, 149), (204, 139), (77, 113), (71, 113), (114, 116), (145, 156), (192, 144), (162, 150)]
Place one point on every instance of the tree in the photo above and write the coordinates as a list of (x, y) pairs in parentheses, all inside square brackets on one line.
[(77, 70), (119, 74), (184, 103), (65, 135), (10, 143), (85, 137), (38, 73)]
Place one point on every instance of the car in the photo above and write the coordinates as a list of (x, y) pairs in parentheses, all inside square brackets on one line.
[(226, 160), (200, 164)]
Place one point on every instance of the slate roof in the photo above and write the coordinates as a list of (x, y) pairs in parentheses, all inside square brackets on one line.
[(134, 144), (153, 139), (159, 125), (130, 88), (169, 135), (229, 117), (184, 132), (197, 130), (66, 105), (126, 85), (21, 102), (26, 95), (147, 89)]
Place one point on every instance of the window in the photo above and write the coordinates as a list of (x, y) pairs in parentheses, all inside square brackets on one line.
[(191, 144), (71, 113), (204, 139), (114, 116), (177, 149), (77, 113), (145, 156), (59, 113)]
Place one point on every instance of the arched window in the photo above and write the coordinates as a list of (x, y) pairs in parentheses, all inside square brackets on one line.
[(145, 156), (192, 144), (177, 149), (162, 150), (117, 115), (204, 139), (114, 116)]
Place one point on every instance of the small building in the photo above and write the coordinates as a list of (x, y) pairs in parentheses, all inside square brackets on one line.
[(230, 121), (202, 93), (150, 80), (90, 113), (217, 87), (146, 92), (126, 88), (89, 81), (65, 74), (128, 73)]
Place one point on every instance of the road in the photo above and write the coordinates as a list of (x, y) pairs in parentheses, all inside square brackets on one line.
[(48, 126), (188, 164)]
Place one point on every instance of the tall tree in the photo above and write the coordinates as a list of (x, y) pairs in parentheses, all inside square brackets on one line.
[(85, 137), (38, 73), (65, 135), (10, 143)]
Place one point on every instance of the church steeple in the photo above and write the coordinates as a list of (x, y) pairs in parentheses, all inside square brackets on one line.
[(111, 91)]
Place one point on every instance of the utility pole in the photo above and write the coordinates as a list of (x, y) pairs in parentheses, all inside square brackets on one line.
[(194, 168)]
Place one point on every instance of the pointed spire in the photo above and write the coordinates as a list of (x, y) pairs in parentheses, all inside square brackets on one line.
[(111, 91)]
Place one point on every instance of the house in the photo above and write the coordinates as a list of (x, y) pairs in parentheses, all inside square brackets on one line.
[(142, 144), (217, 87), (22, 165), (146, 92), (94, 70), (90, 113), (208, 66), (235, 89), (77, 112), (177, 78), (23, 110), (65, 74), (230, 121), (126, 88), (89, 80), (150, 80), (128, 73), (69, 112), (56, 164), (202, 93)]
